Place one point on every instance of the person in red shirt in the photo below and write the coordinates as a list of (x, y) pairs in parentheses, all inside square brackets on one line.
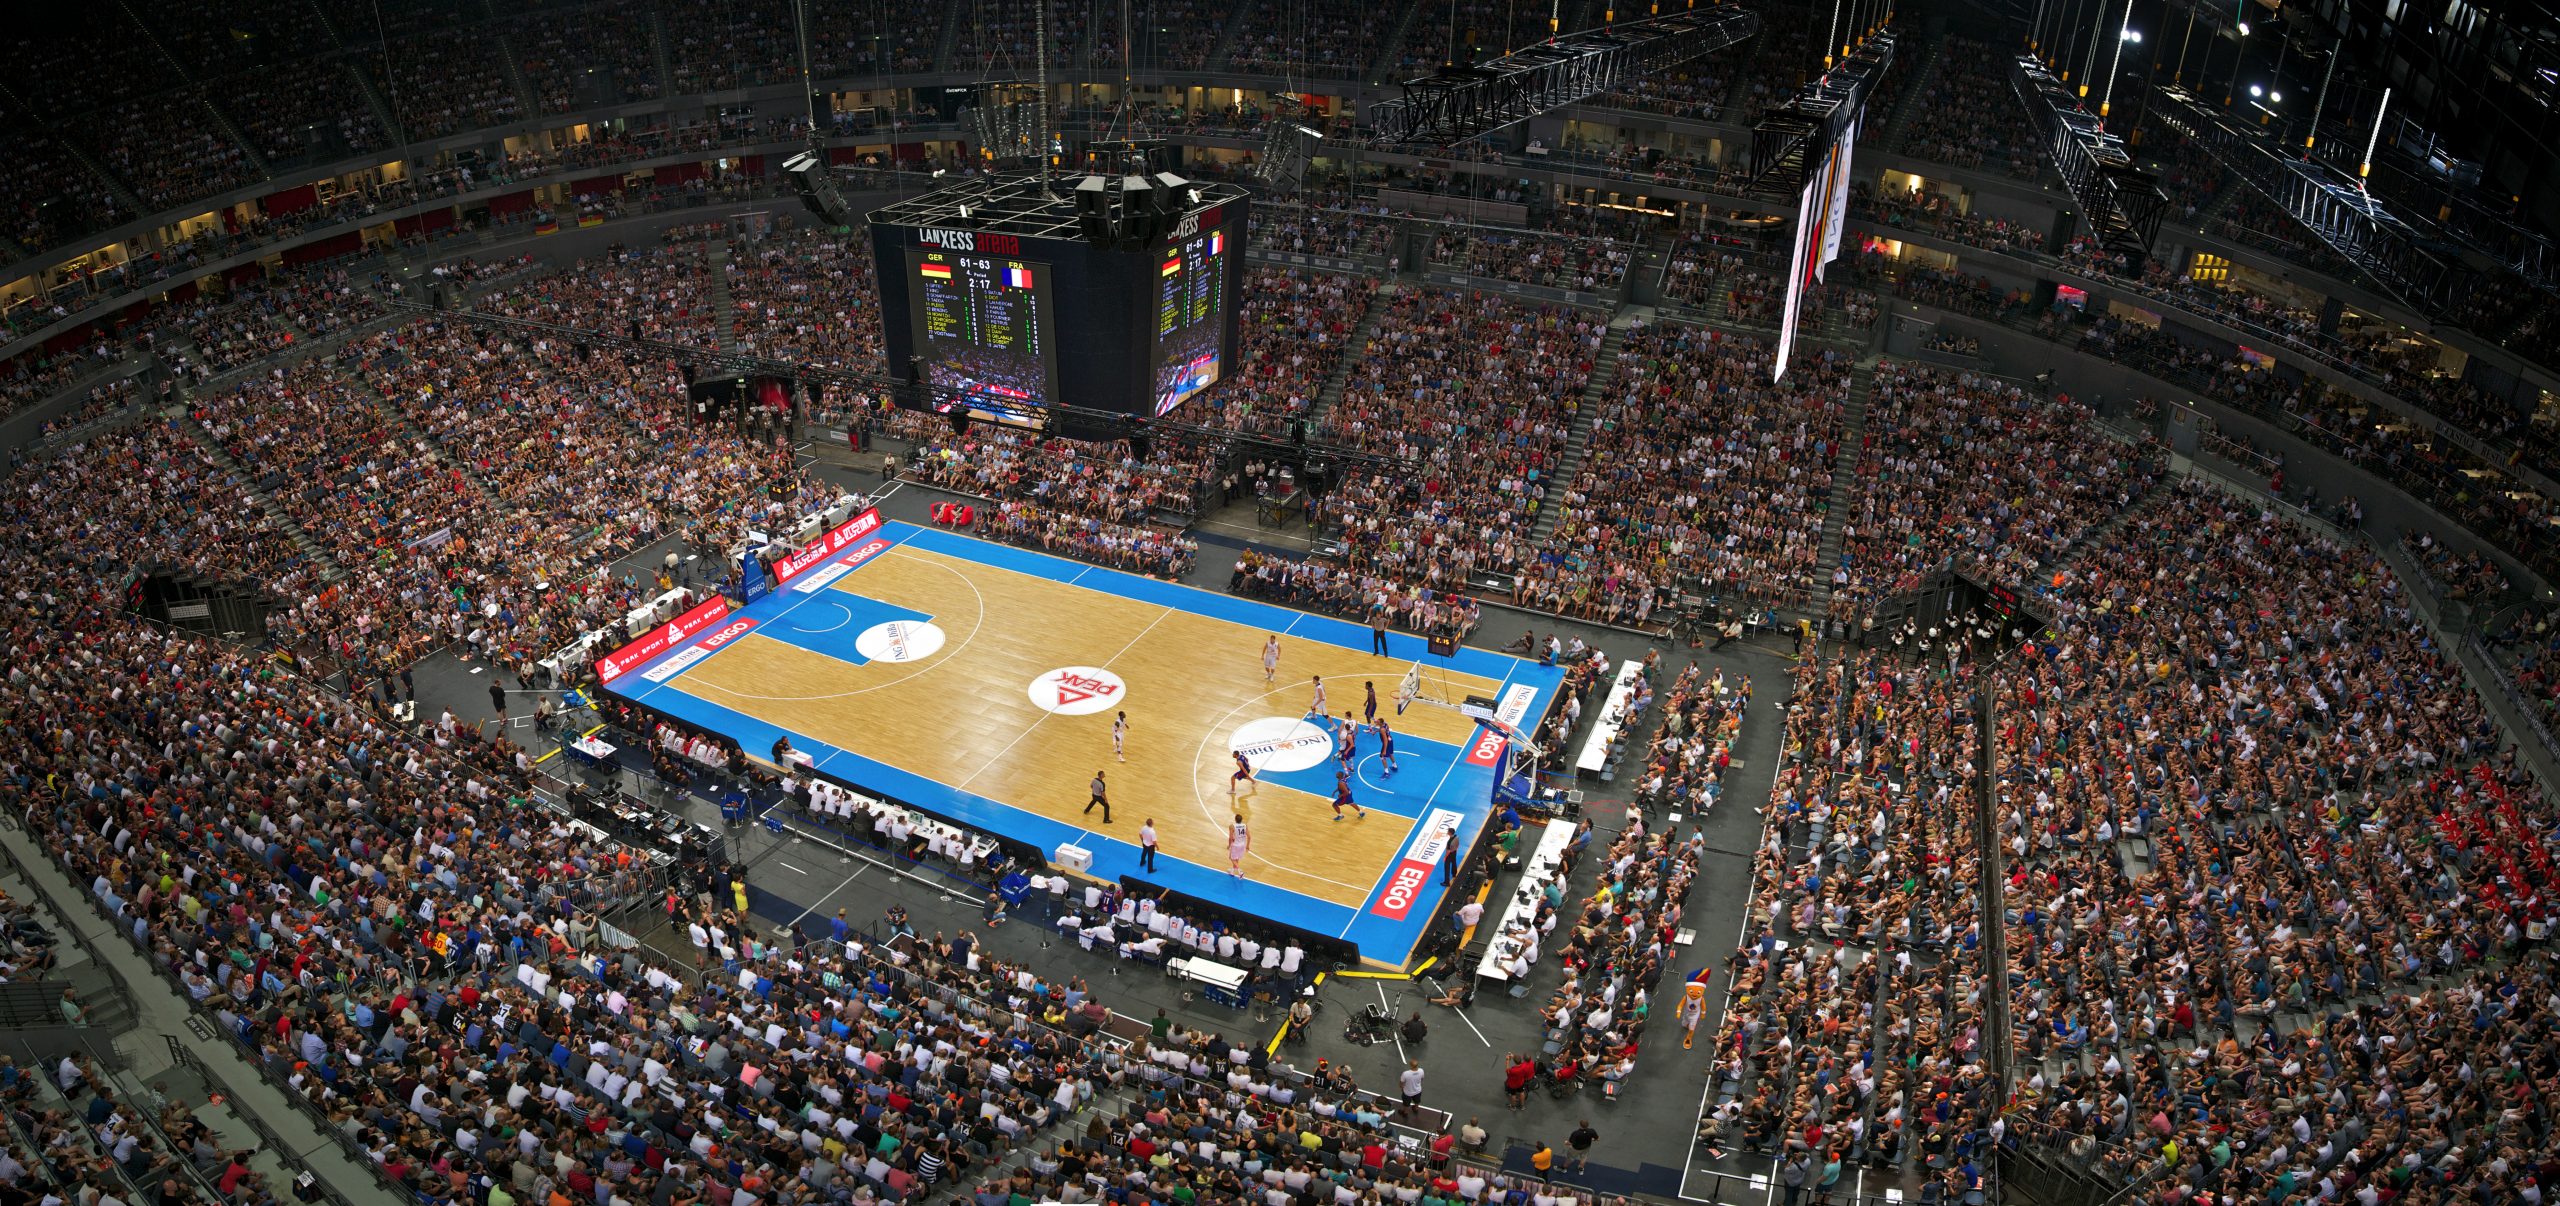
[(1515, 1082)]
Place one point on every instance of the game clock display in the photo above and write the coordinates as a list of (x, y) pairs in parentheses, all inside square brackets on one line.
[(982, 332), (1192, 303)]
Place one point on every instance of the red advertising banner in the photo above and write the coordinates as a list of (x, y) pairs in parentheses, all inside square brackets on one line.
[(661, 638), (1412, 874), (834, 542)]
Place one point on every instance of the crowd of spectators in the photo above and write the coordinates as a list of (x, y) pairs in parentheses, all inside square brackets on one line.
[(1476, 397), (1618, 946), (1695, 90), (562, 53), (1701, 475), (1967, 116), (447, 77), (279, 109), (999, 39), (1136, 547), (1856, 1028), (2462, 575), (659, 293), (1333, 39), (1936, 213), (1296, 326), (166, 148), (1343, 234), (1691, 751), (1978, 472), (807, 295), (1319, 585), (2327, 780), (1583, 263), (1094, 480)]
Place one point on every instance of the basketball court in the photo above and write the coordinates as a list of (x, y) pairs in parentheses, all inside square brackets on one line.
[(979, 682)]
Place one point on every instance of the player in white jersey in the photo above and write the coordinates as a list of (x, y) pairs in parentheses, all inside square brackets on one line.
[(1239, 844), (1270, 658), (1316, 708), (1119, 735)]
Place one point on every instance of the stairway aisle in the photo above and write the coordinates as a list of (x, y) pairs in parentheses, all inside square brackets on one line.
[(942, 46), (1353, 349), (329, 568), (1225, 47), (725, 314), (1604, 376), (662, 54), (2098, 533), (526, 96), (1384, 65), (1921, 77), (1846, 488)]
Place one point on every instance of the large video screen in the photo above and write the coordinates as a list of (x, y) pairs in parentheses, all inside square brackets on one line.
[(982, 332), (1193, 297)]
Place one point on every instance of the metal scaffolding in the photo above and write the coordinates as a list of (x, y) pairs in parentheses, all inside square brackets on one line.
[(2121, 203), (1456, 103)]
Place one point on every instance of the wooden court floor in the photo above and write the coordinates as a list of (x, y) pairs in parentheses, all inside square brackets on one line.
[(961, 716)]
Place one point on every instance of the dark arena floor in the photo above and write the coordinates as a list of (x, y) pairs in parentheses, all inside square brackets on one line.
[(598, 617)]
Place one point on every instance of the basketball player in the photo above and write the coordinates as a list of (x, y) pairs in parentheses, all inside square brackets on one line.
[(1244, 774), (1342, 796), (1270, 657), (1386, 747), (1239, 842), (1369, 706), (1316, 709), (1119, 735), (1347, 750)]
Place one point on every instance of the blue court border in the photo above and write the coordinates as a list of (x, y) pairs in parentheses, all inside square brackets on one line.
[(1452, 782)]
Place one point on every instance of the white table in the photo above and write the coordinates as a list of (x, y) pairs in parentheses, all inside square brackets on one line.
[(598, 754), (1224, 983), (1595, 748), (1546, 862)]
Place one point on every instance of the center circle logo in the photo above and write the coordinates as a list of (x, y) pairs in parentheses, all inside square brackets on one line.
[(898, 641), (1281, 743), (1077, 691)]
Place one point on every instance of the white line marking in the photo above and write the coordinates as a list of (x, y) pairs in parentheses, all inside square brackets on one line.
[(1471, 1025), (831, 894), (841, 620), (780, 863), (1391, 1027), (949, 652)]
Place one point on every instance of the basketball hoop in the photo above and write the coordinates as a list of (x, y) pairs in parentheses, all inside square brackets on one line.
[(1410, 689)]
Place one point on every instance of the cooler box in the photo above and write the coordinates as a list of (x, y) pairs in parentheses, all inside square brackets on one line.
[(1073, 857)]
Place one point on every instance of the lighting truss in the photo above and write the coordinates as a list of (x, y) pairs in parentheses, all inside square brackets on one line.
[(1790, 137), (2402, 169), (2414, 263), (2121, 204), (1456, 103)]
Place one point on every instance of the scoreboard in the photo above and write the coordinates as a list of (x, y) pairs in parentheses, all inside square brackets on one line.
[(1006, 327), (981, 330), (1192, 347)]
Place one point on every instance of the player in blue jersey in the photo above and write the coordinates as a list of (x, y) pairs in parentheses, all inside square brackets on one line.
[(1342, 796)]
